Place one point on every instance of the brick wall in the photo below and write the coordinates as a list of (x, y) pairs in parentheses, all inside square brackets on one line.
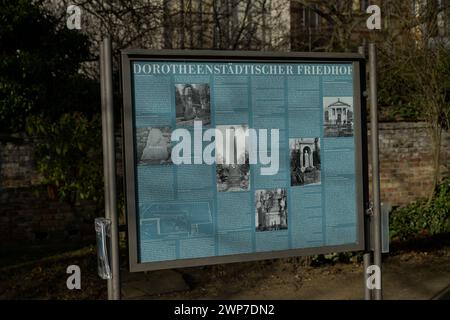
[(26, 212), (406, 162), (17, 167)]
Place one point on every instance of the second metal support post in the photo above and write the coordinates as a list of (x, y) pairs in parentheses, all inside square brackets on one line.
[(367, 257), (376, 219)]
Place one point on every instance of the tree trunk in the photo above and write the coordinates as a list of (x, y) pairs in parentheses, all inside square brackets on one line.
[(200, 25), (183, 24), (167, 26)]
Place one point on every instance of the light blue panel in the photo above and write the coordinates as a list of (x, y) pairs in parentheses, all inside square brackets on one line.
[(277, 180), (234, 210), (304, 106), (341, 234), (339, 156), (197, 248), (234, 242), (182, 215), (152, 100), (158, 250), (272, 240), (195, 182), (307, 224), (174, 220), (338, 85), (340, 208), (191, 79), (337, 89), (155, 183), (231, 100), (303, 123), (274, 181)]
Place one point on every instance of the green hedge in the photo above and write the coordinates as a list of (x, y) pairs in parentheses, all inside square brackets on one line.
[(423, 217)]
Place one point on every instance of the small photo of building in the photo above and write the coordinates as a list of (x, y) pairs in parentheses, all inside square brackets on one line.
[(271, 210), (338, 116), (304, 161)]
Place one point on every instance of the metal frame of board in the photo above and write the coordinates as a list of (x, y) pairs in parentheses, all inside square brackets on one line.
[(360, 134)]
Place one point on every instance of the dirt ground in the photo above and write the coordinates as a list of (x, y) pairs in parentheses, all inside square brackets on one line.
[(418, 270), (414, 271), (406, 276)]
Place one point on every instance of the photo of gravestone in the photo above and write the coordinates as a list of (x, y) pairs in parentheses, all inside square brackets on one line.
[(305, 161), (232, 159), (338, 116), (153, 145), (192, 103), (271, 210)]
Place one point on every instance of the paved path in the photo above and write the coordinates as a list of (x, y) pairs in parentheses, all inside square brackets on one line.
[(444, 295)]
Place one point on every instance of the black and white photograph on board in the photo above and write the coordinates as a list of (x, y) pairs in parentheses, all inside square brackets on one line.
[(305, 161), (271, 210), (153, 145), (232, 159), (192, 104), (338, 116)]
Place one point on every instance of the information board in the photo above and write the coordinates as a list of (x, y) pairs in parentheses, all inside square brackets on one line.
[(242, 156)]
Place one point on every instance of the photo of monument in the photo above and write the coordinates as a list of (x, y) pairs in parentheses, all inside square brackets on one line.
[(338, 116), (153, 145), (232, 159), (305, 161), (271, 210), (192, 104)]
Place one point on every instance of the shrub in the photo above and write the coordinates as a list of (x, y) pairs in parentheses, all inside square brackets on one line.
[(69, 155), (423, 217)]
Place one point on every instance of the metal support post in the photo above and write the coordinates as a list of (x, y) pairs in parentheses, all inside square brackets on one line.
[(109, 163)]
